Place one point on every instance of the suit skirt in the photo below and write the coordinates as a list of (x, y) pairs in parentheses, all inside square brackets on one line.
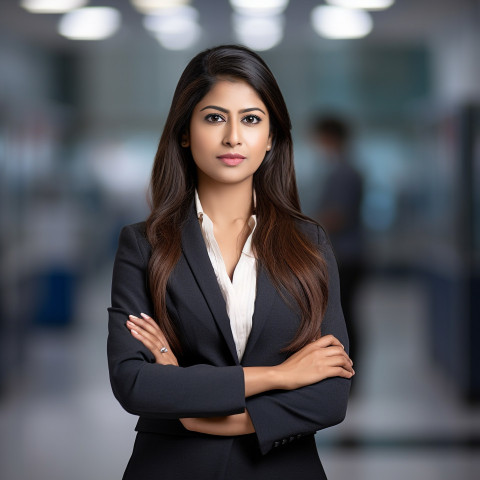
[(159, 456)]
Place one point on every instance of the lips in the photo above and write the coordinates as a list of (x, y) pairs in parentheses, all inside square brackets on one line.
[(231, 159)]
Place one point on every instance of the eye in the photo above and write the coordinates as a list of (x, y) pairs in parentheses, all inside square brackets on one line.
[(214, 118), (251, 119)]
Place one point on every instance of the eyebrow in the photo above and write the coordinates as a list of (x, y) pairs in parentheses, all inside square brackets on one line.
[(224, 110)]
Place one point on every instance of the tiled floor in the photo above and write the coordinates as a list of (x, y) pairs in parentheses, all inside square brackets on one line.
[(60, 420)]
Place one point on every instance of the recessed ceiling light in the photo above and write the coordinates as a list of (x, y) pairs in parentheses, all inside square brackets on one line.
[(259, 8), (150, 6), (258, 33), (365, 4), (51, 6), (170, 19), (180, 40), (175, 28), (338, 23), (90, 23)]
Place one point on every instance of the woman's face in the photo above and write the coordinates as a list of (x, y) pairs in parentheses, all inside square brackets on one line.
[(229, 133)]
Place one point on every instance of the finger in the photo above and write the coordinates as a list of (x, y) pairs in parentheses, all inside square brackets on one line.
[(146, 341), (139, 328), (156, 339), (341, 372), (150, 320), (147, 323), (153, 338), (148, 326), (164, 358), (336, 350), (328, 340), (340, 361)]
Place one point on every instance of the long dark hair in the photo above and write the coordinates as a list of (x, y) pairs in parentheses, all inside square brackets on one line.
[(293, 262)]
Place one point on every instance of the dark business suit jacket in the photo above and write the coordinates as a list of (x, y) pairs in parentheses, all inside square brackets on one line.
[(209, 381)]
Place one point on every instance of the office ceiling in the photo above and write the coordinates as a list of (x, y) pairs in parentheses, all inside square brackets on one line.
[(408, 21)]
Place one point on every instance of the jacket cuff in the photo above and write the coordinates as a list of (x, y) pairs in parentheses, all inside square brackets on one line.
[(271, 434)]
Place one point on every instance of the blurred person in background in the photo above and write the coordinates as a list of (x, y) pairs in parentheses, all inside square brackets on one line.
[(240, 370), (339, 212)]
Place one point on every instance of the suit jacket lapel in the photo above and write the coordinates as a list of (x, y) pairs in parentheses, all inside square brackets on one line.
[(265, 296), (196, 255)]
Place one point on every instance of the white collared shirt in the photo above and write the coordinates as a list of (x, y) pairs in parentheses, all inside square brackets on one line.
[(239, 293)]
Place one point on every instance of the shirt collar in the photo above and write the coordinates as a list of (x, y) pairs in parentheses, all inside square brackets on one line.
[(198, 205)]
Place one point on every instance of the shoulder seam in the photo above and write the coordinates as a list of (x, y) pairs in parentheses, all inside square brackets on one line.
[(130, 227)]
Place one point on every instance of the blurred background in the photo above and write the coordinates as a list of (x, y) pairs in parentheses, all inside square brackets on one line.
[(385, 103)]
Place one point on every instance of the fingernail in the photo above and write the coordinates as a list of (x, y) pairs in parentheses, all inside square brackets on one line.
[(144, 315), (132, 316), (134, 332), (130, 323)]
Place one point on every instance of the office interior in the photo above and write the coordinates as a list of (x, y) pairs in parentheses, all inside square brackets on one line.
[(79, 125)]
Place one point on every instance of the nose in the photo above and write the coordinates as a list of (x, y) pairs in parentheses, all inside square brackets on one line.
[(232, 134)]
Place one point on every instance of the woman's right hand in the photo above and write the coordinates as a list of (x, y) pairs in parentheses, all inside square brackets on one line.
[(323, 358), (147, 331)]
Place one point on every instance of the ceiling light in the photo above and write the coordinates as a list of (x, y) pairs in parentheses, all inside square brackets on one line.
[(336, 22), (259, 8), (365, 4), (51, 6), (180, 40), (175, 28), (151, 6), (90, 23), (173, 19), (258, 33)]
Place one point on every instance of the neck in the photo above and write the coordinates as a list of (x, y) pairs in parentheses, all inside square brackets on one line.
[(226, 203)]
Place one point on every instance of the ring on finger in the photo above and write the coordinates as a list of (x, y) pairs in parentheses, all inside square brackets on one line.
[(164, 350)]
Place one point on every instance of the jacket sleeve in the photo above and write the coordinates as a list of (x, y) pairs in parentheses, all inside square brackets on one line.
[(280, 416), (140, 385)]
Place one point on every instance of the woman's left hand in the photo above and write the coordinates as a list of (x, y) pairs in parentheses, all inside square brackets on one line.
[(148, 332)]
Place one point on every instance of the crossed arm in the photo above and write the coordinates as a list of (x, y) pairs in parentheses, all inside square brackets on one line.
[(324, 358)]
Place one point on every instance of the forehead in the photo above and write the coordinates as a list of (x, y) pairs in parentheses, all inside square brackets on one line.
[(232, 94)]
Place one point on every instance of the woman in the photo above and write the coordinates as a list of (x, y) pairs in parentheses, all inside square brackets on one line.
[(246, 358)]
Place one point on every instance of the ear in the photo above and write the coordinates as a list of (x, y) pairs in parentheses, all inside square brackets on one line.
[(269, 144), (185, 141)]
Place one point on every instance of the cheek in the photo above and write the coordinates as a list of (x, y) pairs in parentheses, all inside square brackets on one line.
[(199, 143), (259, 142)]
